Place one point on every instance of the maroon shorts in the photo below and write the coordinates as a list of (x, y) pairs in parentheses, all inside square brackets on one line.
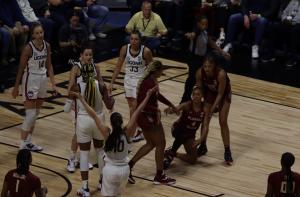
[(148, 120), (210, 97)]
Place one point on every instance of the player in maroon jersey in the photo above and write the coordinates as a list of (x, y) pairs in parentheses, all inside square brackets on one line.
[(284, 183), (184, 129), (150, 123), (21, 182), (217, 95)]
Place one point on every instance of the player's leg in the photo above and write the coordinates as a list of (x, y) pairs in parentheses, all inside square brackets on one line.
[(202, 149), (98, 145), (191, 152)]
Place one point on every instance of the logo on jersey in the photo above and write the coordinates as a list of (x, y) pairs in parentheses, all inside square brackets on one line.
[(30, 94)]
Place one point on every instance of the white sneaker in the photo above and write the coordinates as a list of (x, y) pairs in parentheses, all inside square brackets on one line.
[(83, 192), (32, 147), (91, 166), (71, 166), (227, 47), (92, 37), (101, 35), (138, 137), (255, 51)]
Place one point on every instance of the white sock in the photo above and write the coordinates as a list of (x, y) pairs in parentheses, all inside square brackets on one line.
[(29, 137)]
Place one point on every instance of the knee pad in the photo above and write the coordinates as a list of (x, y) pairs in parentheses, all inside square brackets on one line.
[(84, 160), (30, 118)]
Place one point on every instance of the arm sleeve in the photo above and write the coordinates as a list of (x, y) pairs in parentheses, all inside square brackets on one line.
[(131, 23), (160, 25)]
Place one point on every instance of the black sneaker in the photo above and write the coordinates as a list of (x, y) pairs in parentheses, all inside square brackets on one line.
[(227, 157), (202, 150), (268, 58), (168, 158), (130, 178)]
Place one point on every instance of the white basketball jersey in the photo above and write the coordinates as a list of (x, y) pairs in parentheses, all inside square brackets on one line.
[(119, 155), (135, 66), (98, 99), (37, 62)]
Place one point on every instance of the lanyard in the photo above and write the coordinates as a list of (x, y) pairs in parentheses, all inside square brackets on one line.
[(145, 26)]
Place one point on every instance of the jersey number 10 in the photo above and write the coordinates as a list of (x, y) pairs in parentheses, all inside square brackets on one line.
[(119, 147)]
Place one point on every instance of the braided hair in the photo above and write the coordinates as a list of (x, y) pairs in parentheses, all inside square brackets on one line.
[(152, 67), (23, 161), (287, 161), (113, 139)]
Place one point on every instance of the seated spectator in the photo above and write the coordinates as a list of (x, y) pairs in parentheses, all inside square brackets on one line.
[(291, 26), (5, 37), (30, 17), (284, 182), (71, 37), (256, 14), (149, 24), (14, 21), (95, 17), (20, 182)]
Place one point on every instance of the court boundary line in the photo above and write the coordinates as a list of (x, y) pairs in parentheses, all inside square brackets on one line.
[(139, 177), (69, 184)]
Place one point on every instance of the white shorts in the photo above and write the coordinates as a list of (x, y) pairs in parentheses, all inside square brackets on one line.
[(34, 86), (114, 179), (86, 128), (130, 85)]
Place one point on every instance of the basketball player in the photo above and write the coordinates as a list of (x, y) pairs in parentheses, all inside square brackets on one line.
[(35, 62), (217, 93), (184, 129), (149, 121), (136, 56), (86, 129), (75, 77), (116, 169), (284, 182), (20, 182)]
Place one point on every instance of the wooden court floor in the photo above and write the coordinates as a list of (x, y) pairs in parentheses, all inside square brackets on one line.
[(263, 120)]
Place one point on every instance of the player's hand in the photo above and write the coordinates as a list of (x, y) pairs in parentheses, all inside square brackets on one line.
[(175, 110), (55, 92), (109, 89), (169, 110), (152, 90), (15, 92), (74, 94)]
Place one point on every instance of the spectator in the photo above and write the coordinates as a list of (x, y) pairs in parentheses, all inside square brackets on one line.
[(95, 17), (5, 37), (284, 182), (14, 21), (291, 26), (255, 13), (30, 17), (20, 182), (149, 24), (71, 37)]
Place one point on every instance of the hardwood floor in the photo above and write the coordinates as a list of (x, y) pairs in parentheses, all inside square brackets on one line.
[(263, 121)]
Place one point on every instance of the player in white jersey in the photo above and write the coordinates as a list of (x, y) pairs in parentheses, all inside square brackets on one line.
[(84, 75), (116, 169), (35, 62), (136, 57)]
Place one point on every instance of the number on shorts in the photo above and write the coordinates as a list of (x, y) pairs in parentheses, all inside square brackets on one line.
[(134, 69), (286, 190), (119, 146), (42, 64)]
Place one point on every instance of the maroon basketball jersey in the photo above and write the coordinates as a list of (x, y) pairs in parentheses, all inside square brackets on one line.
[(212, 84), (22, 186), (190, 120), (278, 182)]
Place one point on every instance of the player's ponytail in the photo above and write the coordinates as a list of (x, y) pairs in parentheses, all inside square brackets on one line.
[(287, 161), (23, 161), (87, 71), (113, 139)]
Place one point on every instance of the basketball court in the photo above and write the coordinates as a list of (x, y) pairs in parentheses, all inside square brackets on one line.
[(263, 121)]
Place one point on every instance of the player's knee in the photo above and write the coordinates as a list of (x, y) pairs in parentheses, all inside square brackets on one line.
[(30, 118), (84, 160)]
